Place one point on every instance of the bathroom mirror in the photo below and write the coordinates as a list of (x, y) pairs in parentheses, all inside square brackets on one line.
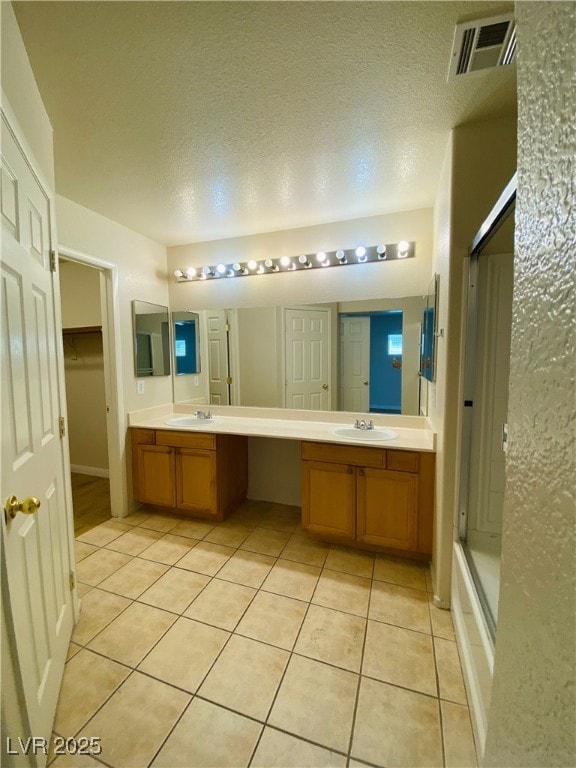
[(186, 339), (151, 339), (364, 355), (429, 322)]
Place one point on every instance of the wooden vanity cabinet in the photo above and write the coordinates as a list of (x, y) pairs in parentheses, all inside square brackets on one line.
[(199, 473), (376, 497)]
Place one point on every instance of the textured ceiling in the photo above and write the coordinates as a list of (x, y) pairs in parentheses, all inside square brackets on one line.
[(191, 121)]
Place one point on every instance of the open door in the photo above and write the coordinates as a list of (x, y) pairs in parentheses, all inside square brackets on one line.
[(36, 525)]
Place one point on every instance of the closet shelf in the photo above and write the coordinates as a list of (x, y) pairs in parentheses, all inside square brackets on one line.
[(82, 329)]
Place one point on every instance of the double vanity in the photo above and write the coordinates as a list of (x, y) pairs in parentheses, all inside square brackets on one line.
[(369, 487)]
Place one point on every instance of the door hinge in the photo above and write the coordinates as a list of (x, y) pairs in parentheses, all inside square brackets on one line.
[(53, 257), (72, 580), (227, 327), (229, 380), (61, 426)]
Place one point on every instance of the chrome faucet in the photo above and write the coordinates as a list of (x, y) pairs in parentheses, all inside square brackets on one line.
[(202, 415), (364, 424)]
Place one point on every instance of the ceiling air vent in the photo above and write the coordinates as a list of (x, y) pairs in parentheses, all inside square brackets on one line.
[(483, 44)]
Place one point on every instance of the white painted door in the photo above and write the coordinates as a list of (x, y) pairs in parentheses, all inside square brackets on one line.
[(37, 546), (218, 356), (354, 368), (307, 358)]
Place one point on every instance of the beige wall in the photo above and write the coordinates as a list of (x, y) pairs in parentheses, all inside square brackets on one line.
[(84, 368), (367, 281), (531, 719), (480, 160), (19, 87), (141, 275)]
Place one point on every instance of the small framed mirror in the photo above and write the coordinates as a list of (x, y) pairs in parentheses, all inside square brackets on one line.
[(186, 335), (429, 322), (151, 339)]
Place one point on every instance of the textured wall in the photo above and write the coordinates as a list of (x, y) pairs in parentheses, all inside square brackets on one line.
[(531, 721)]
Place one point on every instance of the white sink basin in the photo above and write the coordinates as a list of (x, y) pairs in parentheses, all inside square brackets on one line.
[(188, 421), (377, 433)]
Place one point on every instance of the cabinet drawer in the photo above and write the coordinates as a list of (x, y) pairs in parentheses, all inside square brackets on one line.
[(403, 461), (343, 454), (143, 436), (186, 439)]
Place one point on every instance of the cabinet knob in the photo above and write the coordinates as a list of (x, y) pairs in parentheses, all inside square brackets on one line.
[(361, 473), (350, 470)]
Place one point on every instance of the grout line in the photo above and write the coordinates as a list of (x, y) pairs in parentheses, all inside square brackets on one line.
[(440, 719), (357, 697)]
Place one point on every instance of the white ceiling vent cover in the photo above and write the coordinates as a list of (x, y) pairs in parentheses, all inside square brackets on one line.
[(483, 44)]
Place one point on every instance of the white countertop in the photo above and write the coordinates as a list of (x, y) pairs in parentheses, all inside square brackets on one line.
[(413, 432)]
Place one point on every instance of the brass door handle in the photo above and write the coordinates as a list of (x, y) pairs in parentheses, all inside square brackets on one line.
[(365, 382), (27, 506), (324, 386)]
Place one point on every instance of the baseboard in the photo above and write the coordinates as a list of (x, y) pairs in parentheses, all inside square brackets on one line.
[(80, 469)]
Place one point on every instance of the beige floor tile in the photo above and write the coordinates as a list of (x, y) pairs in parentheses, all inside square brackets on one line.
[(134, 577), (458, 739), (273, 619), (73, 649), (247, 568), (399, 571), (82, 589), (208, 736), (104, 533), (250, 513), (280, 750), (343, 592), (400, 656), (316, 701), (98, 609), (206, 558), (230, 535), (99, 565), (292, 579), (395, 727), (350, 561), (82, 550), (136, 720), (332, 636), (134, 541), (221, 604), (185, 654), (303, 549), (429, 586), (266, 542), (245, 677), (175, 590), (67, 760), (280, 518), (169, 549), (129, 637), (194, 529), (88, 681), (450, 678), (441, 620), (162, 523), (401, 606), (136, 518)]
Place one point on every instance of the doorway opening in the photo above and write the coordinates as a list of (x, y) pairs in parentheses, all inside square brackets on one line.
[(370, 360), (88, 299)]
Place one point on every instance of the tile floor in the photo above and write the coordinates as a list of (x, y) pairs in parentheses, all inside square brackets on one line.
[(247, 643)]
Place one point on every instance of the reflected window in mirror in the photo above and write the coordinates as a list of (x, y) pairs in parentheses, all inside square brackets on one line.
[(151, 339), (186, 329)]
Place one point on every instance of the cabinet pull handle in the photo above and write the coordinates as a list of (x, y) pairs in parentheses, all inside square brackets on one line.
[(350, 470), (361, 473)]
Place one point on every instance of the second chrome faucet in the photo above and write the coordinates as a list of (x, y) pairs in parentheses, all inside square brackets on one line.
[(363, 424)]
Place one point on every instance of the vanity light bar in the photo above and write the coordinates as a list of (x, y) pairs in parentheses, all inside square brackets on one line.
[(360, 255)]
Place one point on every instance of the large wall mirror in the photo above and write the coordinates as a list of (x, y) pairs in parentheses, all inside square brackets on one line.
[(359, 356), (429, 324), (151, 339)]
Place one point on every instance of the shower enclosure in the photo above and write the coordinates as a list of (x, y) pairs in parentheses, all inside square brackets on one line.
[(476, 572)]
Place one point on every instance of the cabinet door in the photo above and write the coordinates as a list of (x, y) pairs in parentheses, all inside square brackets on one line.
[(328, 498), (196, 481), (387, 508), (156, 483)]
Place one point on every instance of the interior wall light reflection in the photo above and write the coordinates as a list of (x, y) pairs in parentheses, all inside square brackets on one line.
[(341, 257)]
